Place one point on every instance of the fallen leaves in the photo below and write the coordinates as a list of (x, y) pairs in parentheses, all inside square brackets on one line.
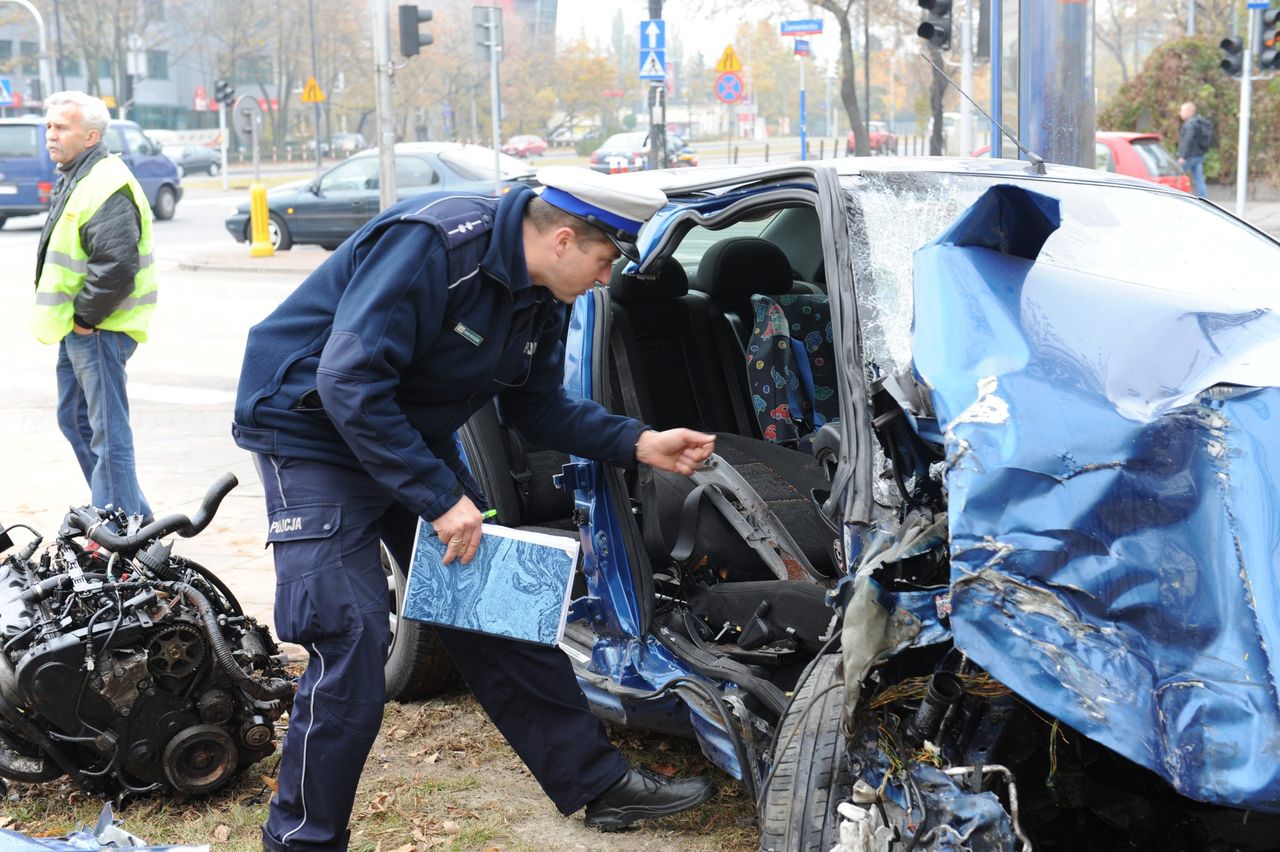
[(222, 833), (271, 783)]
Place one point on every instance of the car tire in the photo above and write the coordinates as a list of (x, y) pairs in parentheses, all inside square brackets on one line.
[(277, 232), (810, 773), (417, 664), (166, 203), (330, 246), (214, 168)]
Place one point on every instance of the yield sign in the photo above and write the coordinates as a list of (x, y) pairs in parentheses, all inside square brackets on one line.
[(729, 88), (311, 93)]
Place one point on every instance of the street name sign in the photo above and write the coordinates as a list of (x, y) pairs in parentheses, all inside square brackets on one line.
[(806, 26)]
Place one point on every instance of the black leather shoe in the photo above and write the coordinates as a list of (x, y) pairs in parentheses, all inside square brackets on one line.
[(642, 794)]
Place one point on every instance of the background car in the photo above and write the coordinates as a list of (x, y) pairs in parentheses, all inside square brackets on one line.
[(881, 141), (1139, 155), (629, 152), (29, 174), (985, 431), (195, 158), (524, 146), (327, 209)]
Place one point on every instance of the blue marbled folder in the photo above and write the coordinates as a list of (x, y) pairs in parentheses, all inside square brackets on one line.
[(517, 585)]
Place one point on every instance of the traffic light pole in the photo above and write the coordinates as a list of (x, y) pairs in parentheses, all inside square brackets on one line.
[(1246, 102), (386, 117), (222, 135)]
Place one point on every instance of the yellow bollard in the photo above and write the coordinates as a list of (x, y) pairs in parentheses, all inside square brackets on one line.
[(260, 243)]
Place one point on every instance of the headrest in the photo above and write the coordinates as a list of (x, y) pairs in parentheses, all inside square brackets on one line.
[(740, 267), (618, 208), (668, 281)]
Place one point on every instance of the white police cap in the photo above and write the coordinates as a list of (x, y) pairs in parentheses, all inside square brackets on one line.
[(618, 208)]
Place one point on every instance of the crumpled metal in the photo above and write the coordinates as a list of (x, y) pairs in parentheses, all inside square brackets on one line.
[(1113, 456)]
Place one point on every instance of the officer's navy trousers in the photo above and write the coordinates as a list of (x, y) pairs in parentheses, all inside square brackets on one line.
[(325, 524)]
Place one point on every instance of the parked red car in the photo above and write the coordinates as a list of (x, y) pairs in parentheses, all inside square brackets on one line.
[(525, 145), (1140, 155), (881, 140)]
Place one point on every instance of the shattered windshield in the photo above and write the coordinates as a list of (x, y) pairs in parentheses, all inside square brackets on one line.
[(1149, 239)]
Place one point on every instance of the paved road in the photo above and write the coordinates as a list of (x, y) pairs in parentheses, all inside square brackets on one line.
[(181, 388)]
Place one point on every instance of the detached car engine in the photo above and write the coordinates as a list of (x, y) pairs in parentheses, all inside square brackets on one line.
[(127, 668)]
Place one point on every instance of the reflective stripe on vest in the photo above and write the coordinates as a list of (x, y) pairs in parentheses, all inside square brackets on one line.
[(66, 264)]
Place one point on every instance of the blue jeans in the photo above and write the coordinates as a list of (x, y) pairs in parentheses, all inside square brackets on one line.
[(93, 413), (1194, 166)]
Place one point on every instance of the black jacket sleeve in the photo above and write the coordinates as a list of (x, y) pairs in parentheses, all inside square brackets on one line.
[(110, 239)]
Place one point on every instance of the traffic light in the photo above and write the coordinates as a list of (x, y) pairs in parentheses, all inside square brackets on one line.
[(224, 93), (411, 40), (1232, 50), (937, 28), (1269, 57)]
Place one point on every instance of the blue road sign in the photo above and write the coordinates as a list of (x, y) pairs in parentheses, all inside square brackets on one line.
[(653, 34), (6, 92), (802, 47), (805, 26), (729, 88), (653, 65), (1259, 4)]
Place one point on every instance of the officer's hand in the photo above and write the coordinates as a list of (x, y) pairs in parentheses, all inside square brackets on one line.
[(460, 529), (679, 450)]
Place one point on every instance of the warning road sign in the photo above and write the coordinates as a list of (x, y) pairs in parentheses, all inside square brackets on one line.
[(311, 93), (728, 63)]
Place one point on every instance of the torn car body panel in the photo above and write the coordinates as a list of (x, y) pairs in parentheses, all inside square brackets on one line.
[(1111, 476)]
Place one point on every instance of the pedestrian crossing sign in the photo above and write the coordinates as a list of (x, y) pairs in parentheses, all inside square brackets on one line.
[(311, 93), (6, 92), (653, 65)]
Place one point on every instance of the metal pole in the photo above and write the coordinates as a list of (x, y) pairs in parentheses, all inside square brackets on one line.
[(315, 72), (386, 116), (495, 103), (57, 28), (804, 134), (1191, 18), (997, 84), (222, 134), (46, 72), (966, 78), (1246, 108)]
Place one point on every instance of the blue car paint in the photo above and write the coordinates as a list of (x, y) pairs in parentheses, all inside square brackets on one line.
[(1112, 508)]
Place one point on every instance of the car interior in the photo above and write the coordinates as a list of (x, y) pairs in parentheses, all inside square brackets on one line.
[(726, 334)]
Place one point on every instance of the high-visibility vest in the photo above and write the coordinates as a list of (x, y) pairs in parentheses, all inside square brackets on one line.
[(66, 264)]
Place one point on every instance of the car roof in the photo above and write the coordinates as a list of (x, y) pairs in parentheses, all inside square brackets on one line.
[(420, 148), (685, 181), (1127, 135)]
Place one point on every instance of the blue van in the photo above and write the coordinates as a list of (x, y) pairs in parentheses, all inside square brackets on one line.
[(27, 174)]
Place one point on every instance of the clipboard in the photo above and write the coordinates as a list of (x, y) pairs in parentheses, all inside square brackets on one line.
[(518, 585)]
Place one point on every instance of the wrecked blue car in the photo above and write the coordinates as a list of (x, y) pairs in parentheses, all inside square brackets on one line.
[(984, 558)]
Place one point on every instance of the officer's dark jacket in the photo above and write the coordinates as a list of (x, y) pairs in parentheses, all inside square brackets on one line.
[(414, 323)]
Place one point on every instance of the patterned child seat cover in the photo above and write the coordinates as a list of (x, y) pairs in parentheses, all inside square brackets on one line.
[(791, 366)]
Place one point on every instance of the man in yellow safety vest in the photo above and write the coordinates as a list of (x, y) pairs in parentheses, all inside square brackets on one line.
[(95, 293)]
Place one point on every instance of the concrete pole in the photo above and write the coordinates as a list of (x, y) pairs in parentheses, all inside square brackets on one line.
[(495, 102), (386, 118)]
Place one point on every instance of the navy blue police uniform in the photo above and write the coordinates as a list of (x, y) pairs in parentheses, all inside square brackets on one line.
[(350, 394)]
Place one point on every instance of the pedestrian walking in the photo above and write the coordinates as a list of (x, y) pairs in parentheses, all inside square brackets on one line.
[(349, 398), (95, 294), (1194, 141)]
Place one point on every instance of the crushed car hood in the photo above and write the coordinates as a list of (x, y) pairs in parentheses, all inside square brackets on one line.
[(1113, 456)]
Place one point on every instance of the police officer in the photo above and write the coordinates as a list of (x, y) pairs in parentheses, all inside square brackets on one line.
[(350, 394)]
